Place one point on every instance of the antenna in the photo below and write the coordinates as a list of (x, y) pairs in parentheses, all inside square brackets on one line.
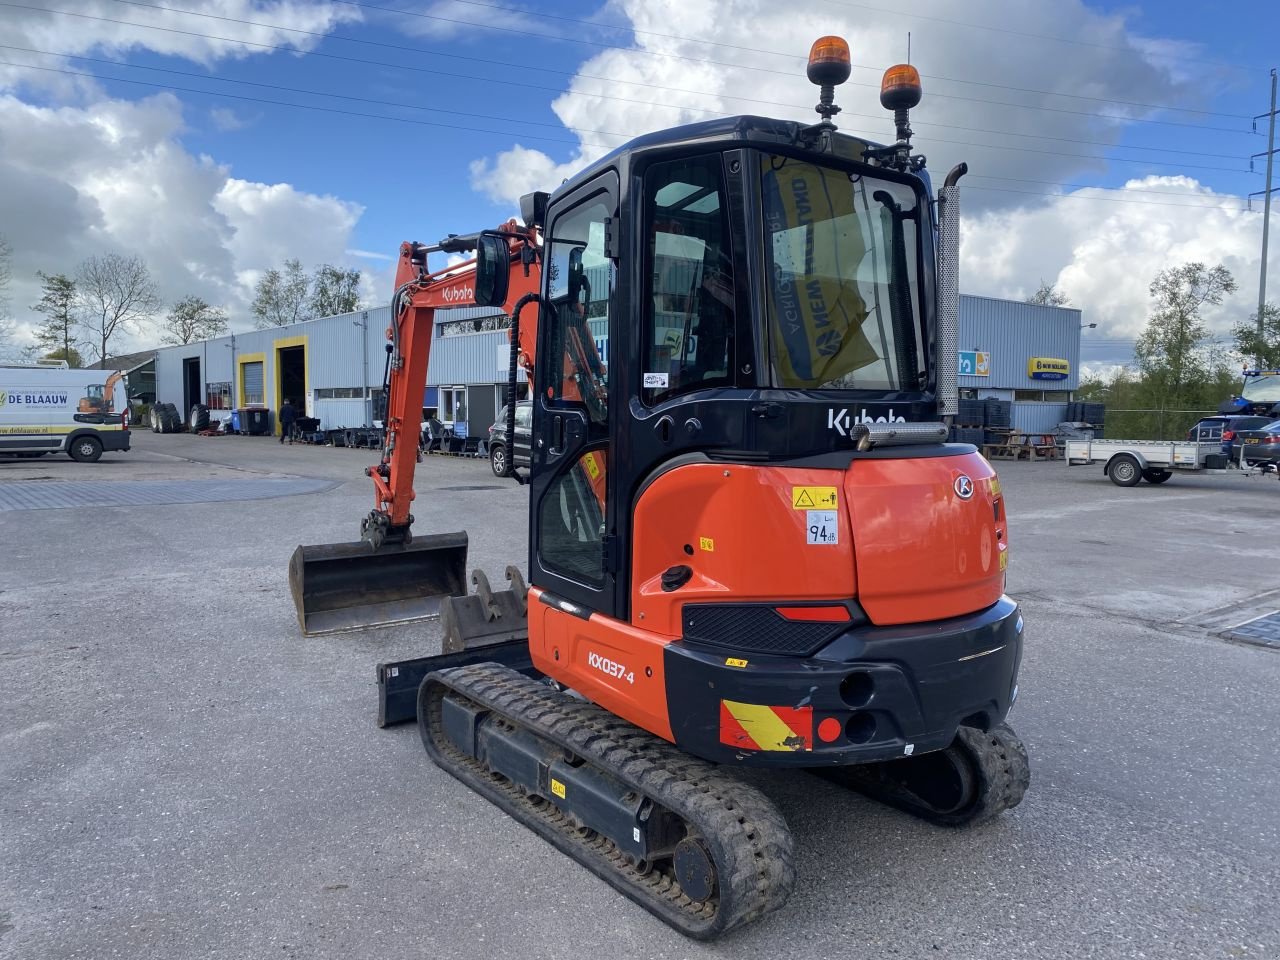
[(908, 46)]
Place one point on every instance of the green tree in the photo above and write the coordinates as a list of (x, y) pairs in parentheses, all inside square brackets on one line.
[(1171, 351), (70, 354), (1049, 295), (114, 294), (56, 338), (334, 290), (192, 319), (281, 296), (1263, 348)]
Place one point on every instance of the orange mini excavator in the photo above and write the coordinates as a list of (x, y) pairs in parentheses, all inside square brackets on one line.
[(749, 541)]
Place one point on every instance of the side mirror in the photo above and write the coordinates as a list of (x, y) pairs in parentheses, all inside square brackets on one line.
[(493, 270)]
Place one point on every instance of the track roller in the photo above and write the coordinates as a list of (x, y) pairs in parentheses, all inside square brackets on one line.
[(693, 846), (981, 775)]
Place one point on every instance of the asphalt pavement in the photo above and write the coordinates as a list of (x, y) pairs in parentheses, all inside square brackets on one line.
[(182, 774)]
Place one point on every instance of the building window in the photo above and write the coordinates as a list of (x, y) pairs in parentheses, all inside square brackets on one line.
[(251, 374), (1028, 394), (1058, 396), (339, 393), (218, 396)]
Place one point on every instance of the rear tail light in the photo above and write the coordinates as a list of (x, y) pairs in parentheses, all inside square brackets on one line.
[(1228, 435), (124, 420)]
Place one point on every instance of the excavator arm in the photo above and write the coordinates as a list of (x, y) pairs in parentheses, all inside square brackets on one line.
[(389, 575), (419, 294)]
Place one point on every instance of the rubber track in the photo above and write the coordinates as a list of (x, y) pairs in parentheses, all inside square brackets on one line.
[(747, 836), (997, 760)]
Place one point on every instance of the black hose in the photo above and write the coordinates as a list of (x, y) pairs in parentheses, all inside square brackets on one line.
[(509, 470)]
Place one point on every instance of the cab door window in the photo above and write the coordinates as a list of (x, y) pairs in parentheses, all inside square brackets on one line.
[(689, 313), (572, 513)]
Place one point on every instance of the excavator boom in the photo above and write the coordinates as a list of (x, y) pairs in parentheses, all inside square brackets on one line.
[(390, 575)]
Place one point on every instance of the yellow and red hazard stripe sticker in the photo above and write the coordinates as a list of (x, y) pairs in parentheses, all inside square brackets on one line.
[(753, 726)]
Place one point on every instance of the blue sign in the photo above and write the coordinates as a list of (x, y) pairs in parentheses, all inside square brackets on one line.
[(974, 363)]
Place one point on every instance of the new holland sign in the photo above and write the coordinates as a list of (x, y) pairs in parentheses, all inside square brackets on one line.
[(1048, 368)]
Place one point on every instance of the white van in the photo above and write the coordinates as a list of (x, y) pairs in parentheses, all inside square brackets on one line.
[(49, 408)]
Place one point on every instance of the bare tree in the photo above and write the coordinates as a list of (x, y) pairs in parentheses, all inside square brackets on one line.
[(56, 338), (281, 297), (191, 319), (115, 294), (8, 329), (1049, 295), (334, 290)]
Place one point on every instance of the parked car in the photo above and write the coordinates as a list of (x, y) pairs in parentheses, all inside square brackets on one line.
[(1260, 445), (499, 448), (1224, 428)]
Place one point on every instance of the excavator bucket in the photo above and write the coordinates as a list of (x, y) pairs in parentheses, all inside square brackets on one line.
[(347, 586)]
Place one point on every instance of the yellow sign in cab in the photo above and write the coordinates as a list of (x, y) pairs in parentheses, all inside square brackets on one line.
[(1048, 368)]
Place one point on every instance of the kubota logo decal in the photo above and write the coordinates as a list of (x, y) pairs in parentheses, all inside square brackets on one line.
[(963, 487), (458, 294), (842, 423)]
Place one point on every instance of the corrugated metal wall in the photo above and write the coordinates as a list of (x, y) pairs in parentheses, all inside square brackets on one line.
[(1031, 417), (345, 351), (1011, 332), (348, 351)]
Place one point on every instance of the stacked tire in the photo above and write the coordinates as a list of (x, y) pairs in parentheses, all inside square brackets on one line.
[(199, 418), (165, 418)]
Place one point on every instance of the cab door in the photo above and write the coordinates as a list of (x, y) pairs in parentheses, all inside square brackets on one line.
[(571, 491)]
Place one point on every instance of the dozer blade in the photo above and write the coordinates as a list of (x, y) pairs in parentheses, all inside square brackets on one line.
[(346, 586)]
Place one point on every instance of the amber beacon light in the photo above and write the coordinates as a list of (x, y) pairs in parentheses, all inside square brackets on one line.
[(829, 62)]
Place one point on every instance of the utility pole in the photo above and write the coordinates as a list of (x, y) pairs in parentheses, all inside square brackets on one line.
[(1266, 198)]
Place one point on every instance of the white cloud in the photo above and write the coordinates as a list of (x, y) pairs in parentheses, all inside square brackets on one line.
[(104, 27), (1103, 255), (113, 176), (227, 120), (666, 81)]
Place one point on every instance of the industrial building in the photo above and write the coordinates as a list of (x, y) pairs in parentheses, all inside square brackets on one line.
[(334, 366)]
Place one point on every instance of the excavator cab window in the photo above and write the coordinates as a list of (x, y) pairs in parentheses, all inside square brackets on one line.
[(842, 290), (574, 347), (689, 316)]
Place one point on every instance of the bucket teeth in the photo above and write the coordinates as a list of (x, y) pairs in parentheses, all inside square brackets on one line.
[(487, 616)]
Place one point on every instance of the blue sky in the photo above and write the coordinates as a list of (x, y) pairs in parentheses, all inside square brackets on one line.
[(1041, 98)]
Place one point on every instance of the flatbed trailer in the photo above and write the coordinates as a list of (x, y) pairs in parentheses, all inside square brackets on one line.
[(1127, 462)]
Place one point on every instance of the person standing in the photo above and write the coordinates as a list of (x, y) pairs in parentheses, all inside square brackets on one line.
[(287, 417)]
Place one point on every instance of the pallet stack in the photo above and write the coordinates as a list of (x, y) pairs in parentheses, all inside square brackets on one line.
[(971, 418), (1094, 414)]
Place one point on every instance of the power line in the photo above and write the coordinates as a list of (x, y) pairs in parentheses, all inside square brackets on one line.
[(281, 103), (531, 86), (1074, 196), (413, 49), (733, 46), (1020, 33), (452, 126), (1097, 186), (412, 106), (305, 92)]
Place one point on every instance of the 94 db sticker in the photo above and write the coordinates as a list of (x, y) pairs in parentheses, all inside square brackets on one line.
[(821, 527)]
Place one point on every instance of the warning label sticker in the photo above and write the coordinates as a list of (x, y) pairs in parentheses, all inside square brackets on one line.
[(821, 527), (814, 498)]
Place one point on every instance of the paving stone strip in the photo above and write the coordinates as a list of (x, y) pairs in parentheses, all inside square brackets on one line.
[(54, 495)]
